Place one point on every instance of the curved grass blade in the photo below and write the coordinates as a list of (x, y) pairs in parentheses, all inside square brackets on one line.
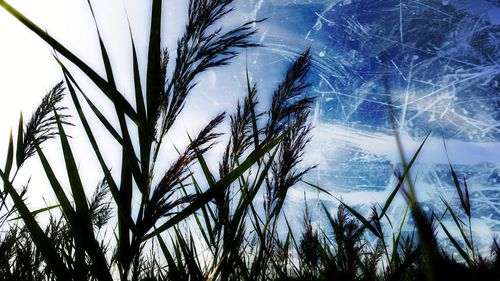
[(128, 158), (116, 97), (174, 271), (63, 200), (124, 142), (401, 181), (317, 187), (8, 167), (153, 79), (464, 201), (20, 143), (139, 99), (456, 245), (72, 170), (38, 211), (251, 93), (458, 223), (249, 196), (10, 156)]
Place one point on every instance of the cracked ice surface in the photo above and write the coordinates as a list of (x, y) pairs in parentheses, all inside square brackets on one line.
[(440, 61)]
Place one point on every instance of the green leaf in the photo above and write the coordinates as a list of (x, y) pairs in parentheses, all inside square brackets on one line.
[(139, 99), (317, 187), (456, 245), (206, 171), (153, 83), (248, 197), (458, 223), (63, 200), (124, 142), (172, 267), (463, 201), (20, 144), (8, 166), (38, 211), (251, 92), (210, 238), (398, 236), (10, 156), (401, 181), (104, 53)]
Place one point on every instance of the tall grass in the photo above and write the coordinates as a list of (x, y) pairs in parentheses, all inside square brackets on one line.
[(189, 222)]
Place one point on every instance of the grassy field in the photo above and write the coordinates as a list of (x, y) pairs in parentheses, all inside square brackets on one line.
[(190, 222)]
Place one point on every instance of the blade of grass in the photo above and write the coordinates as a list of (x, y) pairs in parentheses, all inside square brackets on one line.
[(92, 106), (38, 211), (153, 79), (251, 92), (457, 246), (74, 178), (8, 167), (315, 186), (463, 200), (128, 157), (20, 143), (10, 156), (395, 243), (401, 181), (63, 200), (172, 267), (248, 198), (458, 223), (105, 87), (126, 142)]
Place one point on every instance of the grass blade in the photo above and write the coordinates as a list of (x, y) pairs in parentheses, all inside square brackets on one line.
[(20, 143), (251, 93), (456, 245), (38, 211), (10, 156), (117, 99), (401, 181)]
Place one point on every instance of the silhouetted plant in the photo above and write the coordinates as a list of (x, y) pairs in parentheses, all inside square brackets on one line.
[(194, 223)]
